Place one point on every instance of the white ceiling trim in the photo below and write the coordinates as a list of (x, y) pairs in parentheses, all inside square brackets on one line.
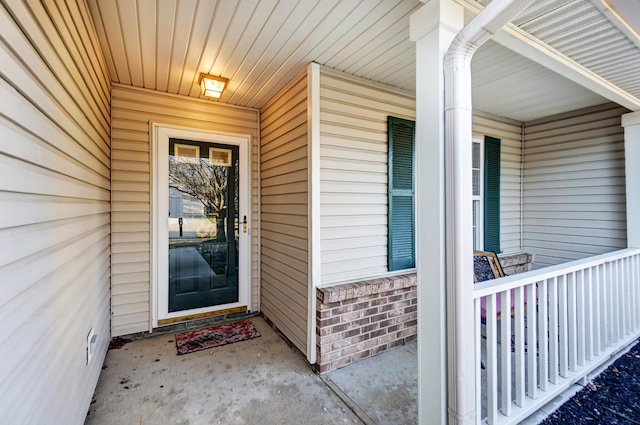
[(530, 47)]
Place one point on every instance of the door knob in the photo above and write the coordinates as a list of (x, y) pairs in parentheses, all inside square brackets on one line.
[(244, 224)]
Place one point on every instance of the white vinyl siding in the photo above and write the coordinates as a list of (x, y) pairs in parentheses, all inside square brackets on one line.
[(574, 185), (284, 204), (132, 111), (353, 173), (510, 134), (54, 214)]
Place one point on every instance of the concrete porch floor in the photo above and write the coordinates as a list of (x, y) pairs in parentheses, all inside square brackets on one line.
[(259, 381)]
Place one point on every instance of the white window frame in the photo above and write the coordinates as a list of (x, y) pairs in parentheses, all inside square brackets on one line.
[(478, 217)]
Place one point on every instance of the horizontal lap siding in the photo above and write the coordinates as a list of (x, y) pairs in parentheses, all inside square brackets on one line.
[(574, 185), (284, 204), (132, 111), (510, 135), (55, 214), (353, 174)]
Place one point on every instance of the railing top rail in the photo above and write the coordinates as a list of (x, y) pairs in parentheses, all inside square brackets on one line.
[(495, 286)]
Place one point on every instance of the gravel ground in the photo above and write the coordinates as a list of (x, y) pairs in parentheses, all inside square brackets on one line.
[(613, 397)]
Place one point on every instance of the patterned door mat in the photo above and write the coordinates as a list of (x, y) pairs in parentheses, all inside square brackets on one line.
[(215, 336)]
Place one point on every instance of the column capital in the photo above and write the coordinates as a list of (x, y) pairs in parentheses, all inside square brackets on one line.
[(436, 14), (631, 119)]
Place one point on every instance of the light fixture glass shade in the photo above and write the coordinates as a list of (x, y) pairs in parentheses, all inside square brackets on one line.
[(212, 86)]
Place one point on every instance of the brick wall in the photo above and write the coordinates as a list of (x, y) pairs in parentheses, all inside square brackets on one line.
[(361, 319)]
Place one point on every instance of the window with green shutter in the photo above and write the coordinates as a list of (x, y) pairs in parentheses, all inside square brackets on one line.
[(491, 194), (401, 226)]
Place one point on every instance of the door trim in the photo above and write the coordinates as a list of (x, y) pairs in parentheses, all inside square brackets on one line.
[(160, 135)]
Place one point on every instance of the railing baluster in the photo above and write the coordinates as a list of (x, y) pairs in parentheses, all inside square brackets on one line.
[(580, 318), (606, 304), (563, 347), (543, 336), (519, 345), (572, 322), (532, 376), (553, 331), (477, 305), (588, 313), (505, 350), (597, 309), (627, 296), (613, 319), (492, 359)]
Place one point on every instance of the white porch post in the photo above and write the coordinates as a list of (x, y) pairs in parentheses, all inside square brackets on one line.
[(631, 124), (433, 27)]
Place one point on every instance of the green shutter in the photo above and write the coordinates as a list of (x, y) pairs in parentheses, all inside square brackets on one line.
[(491, 194), (401, 228)]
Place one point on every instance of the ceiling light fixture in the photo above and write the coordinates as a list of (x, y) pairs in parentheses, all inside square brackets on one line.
[(212, 86)]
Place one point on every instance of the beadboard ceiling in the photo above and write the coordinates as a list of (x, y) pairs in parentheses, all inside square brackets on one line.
[(261, 45)]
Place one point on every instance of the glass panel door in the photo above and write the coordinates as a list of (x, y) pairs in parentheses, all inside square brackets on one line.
[(202, 224)]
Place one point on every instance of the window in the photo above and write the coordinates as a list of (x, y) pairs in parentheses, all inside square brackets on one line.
[(401, 223), (476, 171), (486, 194)]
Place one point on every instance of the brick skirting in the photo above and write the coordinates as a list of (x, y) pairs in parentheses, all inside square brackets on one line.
[(359, 320)]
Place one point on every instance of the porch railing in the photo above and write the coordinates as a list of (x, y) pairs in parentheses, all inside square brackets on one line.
[(539, 332)]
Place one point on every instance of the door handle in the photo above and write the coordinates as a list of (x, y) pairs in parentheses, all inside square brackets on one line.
[(244, 224)]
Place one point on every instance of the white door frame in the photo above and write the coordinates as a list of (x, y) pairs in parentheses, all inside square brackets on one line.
[(161, 133)]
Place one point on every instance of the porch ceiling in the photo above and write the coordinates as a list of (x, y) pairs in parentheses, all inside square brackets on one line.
[(261, 45)]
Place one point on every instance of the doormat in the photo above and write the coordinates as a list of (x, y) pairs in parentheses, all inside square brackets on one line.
[(215, 336)]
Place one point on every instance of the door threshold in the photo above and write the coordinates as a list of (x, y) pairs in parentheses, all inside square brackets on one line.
[(223, 312)]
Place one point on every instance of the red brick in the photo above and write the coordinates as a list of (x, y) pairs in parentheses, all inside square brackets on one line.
[(361, 322), (323, 368), (369, 343), (411, 338), (350, 350), (341, 310), (387, 307), (358, 339), (330, 338), (411, 309), (348, 317), (393, 328), (396, 343), (371, 311), (395, 313), (370, 327), (341, 362), (395, 298), (323, 314), (339, 345), (379, 317), (378, 333), (361, 355), (387, 338), (340, 328), (387, 323), (406, 332), (378, 349), (329, 357), (410, 323), (328, 321), (326, 348), (379, 301), (350, 333), (362, 305)]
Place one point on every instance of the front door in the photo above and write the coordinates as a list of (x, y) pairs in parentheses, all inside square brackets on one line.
[(201, 225)]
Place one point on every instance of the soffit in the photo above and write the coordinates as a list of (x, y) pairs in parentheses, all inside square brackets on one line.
[(262, 45)]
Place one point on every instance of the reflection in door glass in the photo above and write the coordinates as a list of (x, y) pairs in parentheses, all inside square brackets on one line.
[(203, 211)]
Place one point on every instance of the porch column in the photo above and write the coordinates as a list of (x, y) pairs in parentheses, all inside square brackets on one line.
[(631, 124), (433, 27)]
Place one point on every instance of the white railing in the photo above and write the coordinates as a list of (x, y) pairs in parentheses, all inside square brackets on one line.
[(565, 321)]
